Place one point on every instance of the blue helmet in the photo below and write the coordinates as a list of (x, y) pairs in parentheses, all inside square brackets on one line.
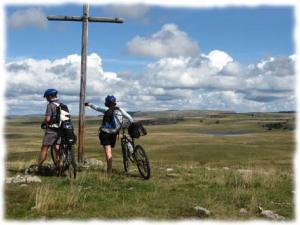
[(49, 92), (109, 100)]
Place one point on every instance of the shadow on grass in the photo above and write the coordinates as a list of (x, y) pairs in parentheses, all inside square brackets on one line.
[(115, 172)]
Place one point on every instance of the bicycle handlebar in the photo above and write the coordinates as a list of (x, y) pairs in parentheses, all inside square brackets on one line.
[(44, 125)]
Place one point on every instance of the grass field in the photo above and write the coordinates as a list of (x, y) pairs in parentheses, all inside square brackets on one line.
[(223, 163)]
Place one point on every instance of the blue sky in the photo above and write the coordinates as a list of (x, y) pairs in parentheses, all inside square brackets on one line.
[(231, 58), (247, 34)]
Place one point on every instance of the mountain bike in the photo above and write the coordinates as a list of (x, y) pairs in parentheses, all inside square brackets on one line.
[(67, 162), (134, 154)]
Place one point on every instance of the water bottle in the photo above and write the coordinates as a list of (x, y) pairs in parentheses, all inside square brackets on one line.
[(129, 147)]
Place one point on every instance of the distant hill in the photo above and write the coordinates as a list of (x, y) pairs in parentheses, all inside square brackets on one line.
[(287, 112), (179, 113), (172, 114)]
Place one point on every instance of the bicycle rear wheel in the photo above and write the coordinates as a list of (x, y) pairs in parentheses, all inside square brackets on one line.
[(70, 163), (142, 162), (54, 156)]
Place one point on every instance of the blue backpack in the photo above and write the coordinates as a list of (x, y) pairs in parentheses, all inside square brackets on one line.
[(112, 121)]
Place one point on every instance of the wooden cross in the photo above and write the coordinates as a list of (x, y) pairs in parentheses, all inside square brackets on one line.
[(85, 18)]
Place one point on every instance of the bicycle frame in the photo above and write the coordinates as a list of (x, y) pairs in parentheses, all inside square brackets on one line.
[(124, 136)]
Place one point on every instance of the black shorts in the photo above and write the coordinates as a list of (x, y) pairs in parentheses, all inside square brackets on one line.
[(107, 139)]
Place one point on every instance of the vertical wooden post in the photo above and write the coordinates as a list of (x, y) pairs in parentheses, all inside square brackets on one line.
[(83, 81), (85, 19)]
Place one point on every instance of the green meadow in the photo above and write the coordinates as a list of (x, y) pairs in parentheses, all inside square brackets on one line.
[(220, 161)]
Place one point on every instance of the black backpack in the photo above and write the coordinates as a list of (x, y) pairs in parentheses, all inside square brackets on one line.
[(67, 132), (64, 124), (136, 129)]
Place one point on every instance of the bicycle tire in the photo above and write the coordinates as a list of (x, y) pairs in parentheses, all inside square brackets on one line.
[(71, 164), (53, 156), (142, 162), (126, 163)]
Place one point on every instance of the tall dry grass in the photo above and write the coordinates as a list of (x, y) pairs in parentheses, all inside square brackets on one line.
[(46, 198), (18, 164)]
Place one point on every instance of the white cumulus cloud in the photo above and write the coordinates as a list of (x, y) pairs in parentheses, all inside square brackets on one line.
[(219, 58), (170, 41), (250, 84), (128, 11), (32, 17), (169, 83), (32, 77)]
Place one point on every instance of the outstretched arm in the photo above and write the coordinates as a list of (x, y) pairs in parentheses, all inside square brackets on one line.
[(97, 108), (126, 115)]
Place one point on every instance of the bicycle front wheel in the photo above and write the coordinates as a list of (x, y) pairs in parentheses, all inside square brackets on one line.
[(142, 162), (126, 161)]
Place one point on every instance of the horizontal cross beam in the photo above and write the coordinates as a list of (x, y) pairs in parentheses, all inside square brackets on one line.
[(89, 19)]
